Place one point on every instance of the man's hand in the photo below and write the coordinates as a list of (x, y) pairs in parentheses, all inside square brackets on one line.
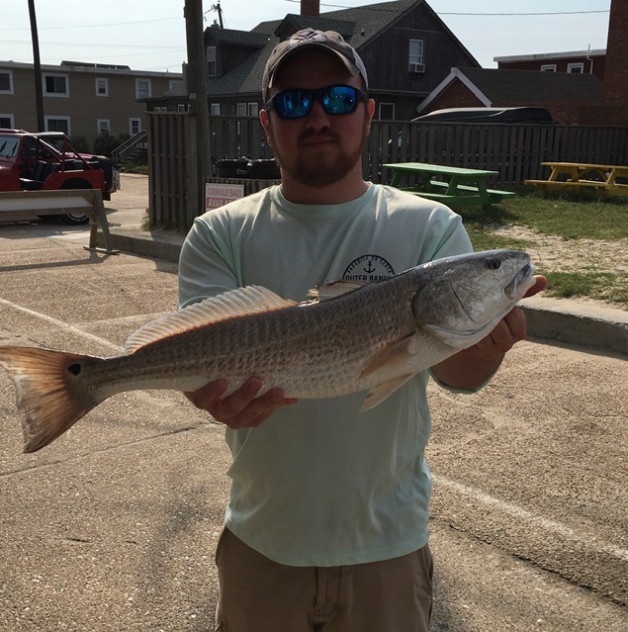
[(471, 367), (241, 409)]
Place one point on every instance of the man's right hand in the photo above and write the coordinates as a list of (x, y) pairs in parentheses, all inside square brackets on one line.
[(241, 409)]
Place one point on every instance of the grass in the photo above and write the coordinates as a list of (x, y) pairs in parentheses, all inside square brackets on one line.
[(566, 218)]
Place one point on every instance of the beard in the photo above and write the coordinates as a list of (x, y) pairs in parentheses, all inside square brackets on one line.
[(313, 169)]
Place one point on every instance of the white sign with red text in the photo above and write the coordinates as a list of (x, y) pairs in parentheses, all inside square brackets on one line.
[(220, 194)]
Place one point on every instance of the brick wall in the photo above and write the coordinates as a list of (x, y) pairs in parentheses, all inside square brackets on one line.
[(615, 95)]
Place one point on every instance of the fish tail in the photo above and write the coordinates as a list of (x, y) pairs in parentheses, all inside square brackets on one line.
[(48, 390)]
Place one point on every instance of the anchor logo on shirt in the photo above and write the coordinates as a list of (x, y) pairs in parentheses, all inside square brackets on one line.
[(368, 268)]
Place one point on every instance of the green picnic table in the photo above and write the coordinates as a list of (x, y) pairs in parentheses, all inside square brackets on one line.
[(454, 186)]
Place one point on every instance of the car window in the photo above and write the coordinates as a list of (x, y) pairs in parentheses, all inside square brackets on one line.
[(9, 146)]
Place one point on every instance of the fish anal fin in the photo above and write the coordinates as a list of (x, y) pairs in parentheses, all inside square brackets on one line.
[(239, 302), (394, 357), (382, 391)]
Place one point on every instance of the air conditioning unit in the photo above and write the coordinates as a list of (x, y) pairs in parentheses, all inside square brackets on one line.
[(417, 68)]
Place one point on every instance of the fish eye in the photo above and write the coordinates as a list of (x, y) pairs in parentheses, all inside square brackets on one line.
[(494, 264)]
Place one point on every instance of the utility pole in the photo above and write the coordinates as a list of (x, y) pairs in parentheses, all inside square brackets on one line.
[(197, 93), (39, 99)]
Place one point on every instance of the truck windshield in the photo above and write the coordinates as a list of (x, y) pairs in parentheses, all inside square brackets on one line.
[(9, 146)]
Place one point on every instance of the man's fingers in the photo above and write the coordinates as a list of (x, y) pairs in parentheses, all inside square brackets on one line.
[(241, 409)]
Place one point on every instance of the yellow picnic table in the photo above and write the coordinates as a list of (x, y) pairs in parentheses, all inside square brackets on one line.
[(454, 186), (576, 175)]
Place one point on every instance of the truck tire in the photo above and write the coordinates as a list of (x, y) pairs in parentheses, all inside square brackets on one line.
[(74, 219)]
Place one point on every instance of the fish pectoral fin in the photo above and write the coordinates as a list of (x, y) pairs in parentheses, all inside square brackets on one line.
[(382, 391), (243, 301), (397, 355)]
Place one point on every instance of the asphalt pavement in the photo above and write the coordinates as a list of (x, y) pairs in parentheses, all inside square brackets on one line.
[(113, 526)]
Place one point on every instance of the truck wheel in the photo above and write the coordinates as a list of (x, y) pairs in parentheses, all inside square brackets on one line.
[(74, 219)]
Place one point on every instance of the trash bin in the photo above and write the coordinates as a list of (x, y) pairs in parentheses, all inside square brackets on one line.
[(232, 168), (264, 169)]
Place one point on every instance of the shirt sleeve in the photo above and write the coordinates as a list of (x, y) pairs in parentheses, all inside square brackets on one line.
[(207, 265)]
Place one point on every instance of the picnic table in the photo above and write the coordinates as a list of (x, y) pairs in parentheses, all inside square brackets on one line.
[(454, 186), (577, 175)]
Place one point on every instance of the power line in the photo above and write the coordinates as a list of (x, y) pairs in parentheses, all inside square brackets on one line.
[(466, 13), (89, 26)]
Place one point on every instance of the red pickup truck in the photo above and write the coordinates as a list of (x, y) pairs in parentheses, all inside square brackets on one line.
[(47, 161)]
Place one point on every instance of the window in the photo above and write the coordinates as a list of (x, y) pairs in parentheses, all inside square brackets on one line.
[(104, 126), (135, 126), (387, 111), (142, 88), (214, 109), (182, 107), (102, 87), (247, 109), (415, 56), (212, 69), (57, 124), (548, 67), (6, 82), (575, 68), (56, 85), (6, 121)]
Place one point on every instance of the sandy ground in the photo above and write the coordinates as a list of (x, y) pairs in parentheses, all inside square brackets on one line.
[(555, 254)]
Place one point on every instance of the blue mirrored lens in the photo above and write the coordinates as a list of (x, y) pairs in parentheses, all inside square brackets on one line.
[(298, 103)]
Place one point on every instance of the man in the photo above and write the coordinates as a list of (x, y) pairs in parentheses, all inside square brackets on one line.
[(326, 527)]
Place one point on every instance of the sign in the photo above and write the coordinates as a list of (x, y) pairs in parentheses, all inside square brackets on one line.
[(220, 194)]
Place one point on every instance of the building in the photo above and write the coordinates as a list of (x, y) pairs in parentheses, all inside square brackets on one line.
[(494, 87), (80, 99), (406, 47), (585, 88), (590, 62)]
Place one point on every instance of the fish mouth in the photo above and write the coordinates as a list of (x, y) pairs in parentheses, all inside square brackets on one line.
[(522, 282)]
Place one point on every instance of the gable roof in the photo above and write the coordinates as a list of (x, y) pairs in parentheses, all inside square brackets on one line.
[(497, 86)]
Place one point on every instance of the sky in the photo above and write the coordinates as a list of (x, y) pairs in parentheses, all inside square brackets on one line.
[(149, 35)]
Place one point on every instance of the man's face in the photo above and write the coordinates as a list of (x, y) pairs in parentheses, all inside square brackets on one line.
[(318, 149)]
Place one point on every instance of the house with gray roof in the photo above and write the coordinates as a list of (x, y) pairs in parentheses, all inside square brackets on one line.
[(407, 49)]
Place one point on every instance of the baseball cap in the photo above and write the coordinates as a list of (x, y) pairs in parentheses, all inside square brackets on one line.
[(312, 38)]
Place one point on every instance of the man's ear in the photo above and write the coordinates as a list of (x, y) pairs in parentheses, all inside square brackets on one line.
[(264, 118)]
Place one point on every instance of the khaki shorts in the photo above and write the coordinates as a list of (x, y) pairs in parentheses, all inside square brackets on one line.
[(259, 595)]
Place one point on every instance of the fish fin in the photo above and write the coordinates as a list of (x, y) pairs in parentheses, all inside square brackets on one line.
[(399, 354), (382, 391), (45, 397), (238, 302), (335, 289)]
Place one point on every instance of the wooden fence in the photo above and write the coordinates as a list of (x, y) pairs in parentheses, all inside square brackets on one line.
[(515, 151)]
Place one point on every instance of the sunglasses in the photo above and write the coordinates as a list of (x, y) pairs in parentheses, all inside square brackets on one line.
[(298, 102)]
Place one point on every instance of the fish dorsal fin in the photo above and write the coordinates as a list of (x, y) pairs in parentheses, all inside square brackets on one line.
[(240, 302), (335, 289)]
